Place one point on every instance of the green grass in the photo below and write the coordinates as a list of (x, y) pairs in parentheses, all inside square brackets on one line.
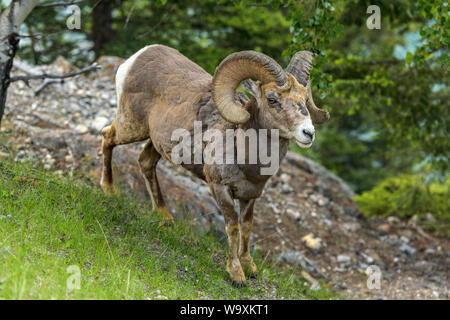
[(49, 223)]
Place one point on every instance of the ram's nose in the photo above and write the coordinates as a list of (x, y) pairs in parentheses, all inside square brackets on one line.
[(304, 134), (309, 132)]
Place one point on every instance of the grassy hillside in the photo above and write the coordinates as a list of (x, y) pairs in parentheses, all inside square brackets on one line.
[(50, 226)]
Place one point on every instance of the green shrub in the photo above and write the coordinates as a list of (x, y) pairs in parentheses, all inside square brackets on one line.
[(407, 195)]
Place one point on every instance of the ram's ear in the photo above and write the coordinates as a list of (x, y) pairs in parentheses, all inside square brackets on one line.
[(252, 87)]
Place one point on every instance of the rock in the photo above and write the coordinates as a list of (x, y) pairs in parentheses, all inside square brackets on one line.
[(320, 199), (64, 65), (109, 65), (68, 158), (48, 138), (285, 178), (328, 222), (393, 220), (323, 201), (384, 228), (368, 258), (99, 123), (308, 277), (294, 214), (351, 226), (327, 178), (393, 240), (112, 102), (422, 266), (414, 220), (407, 233), (297, 258), (285, 188), (410, 251), (81, 129), (344, 260), (273, 207), (372, 256), (404, 239), (312, 243)]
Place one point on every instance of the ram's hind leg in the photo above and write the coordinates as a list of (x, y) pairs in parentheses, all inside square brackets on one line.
[(148, 160), (113, 137), (108, 144)]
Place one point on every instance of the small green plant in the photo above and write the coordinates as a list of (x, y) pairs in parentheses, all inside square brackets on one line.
[(407, 195)]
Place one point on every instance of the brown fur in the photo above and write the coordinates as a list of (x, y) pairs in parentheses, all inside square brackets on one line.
[(165, 91)]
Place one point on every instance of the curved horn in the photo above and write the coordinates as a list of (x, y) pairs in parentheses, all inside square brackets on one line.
[(318, 116), (232, 71), (300, 67)]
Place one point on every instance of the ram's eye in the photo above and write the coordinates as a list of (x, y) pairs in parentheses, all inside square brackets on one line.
[(271, 100), (303, 109)]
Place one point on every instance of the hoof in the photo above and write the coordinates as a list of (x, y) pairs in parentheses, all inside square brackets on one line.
[(239, 285), (167, 217), (165, 223), (234, 269), (109, 189), (248, 266)]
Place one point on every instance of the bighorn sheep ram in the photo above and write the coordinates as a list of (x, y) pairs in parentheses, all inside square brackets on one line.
[(159, 90)]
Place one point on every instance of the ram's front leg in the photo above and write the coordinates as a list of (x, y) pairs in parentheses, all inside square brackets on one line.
[(246, 224), (226, 205)]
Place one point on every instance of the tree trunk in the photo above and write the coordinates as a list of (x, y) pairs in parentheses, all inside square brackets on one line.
[(9, 48), (102, 26), (10, 20)]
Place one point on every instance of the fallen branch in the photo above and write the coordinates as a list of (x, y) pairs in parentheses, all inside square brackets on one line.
[(30, 70), (25, 79), (44, 84)]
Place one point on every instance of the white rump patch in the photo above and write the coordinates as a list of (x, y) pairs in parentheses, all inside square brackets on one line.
[(123, 70)]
